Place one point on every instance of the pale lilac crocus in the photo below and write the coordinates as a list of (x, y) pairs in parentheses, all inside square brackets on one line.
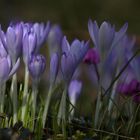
[(72, 55), (29, 44), (36, 66), (105, 38), (12, 40), (54, 40), (74, 91), (7, 69), (54, 64), (41, 30)]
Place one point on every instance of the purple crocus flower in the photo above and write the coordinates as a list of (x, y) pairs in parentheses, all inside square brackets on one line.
[(54, 63), (36, 66), (41, 30), (105, 37), (72, 55), (29, 45), (74, 90), (6, 68), (12, 40), (92, 56), (55, 39)]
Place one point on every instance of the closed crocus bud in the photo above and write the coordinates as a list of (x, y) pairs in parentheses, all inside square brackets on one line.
[(92, 56), (36, 66), (54, 39), (41, 30), (74, 90), (29, 44), (53, 67), (6, 68), (14, 40)]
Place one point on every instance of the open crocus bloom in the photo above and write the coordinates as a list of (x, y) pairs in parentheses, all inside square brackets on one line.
[(72, 55)]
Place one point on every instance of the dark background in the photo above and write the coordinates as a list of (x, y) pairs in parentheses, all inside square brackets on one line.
[(73, 15)]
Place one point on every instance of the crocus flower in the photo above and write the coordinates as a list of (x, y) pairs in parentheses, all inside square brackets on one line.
[(6, 68), (37, 66), (41, 30), (54, 39), (105, 37), (12, 40), (74, 90), (72, 55), (53, 68), (29, 45), (92, 56)]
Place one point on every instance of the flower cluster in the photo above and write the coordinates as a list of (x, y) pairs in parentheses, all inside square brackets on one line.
[(111, 66)]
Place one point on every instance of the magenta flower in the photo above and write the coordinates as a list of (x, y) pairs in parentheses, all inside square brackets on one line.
[(92, 56)]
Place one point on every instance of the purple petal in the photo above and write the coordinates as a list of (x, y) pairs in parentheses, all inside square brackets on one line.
[(106, 36), (93, 31), (15, 67), (54, 67), (65, 45), (119, 35), (74, 90), (4, 69)]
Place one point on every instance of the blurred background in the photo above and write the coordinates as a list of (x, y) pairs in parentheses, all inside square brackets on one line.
[(73, 15)]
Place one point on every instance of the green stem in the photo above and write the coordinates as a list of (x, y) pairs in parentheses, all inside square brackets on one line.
[(25, 93), (98, 106), (62, 112), (111, 100), (34, 100), (47, 103), (13, 93), (2, 94)]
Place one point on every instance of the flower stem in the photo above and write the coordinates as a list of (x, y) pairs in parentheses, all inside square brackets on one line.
[(98, 106), (47, 101), (2, 94), (13, 93), (111, 100), (62, 111), (34, 99), (25, 92)]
